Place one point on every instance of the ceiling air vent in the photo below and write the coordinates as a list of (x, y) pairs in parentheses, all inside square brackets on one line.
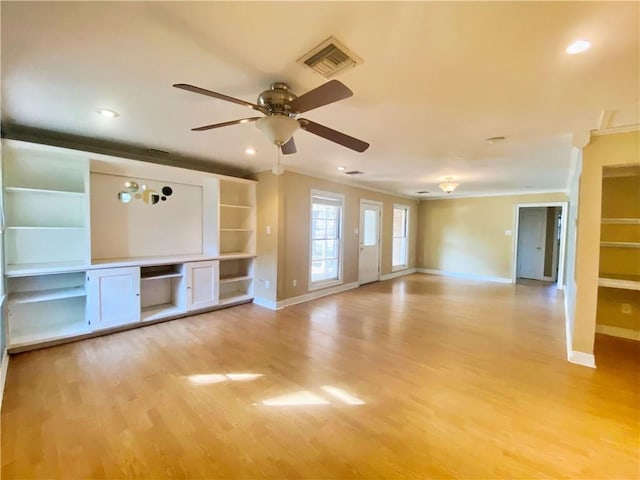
[(354, 172), (330, 58)]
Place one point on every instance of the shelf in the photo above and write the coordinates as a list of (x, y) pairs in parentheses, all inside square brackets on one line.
[(235, 299), (235, 279), (621, 221), (226, 205), (620, 244), (75, 329), (25, 269), (43, 192), (44, 228), (236, 230), (622, 281), (156, 312), (47, 295), (165, 275)]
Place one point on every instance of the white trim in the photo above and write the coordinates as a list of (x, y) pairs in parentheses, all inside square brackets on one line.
[(263, 302), (563, 238), (615, 283), (326, 283), (399, 273), (582, 358), (618, 332), (329, 178), (468, 276), (613, 130), (4, 367), (453, 196), (313, 295), (567, 326)]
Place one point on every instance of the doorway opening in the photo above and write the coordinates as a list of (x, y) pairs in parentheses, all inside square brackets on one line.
[(539, 244)]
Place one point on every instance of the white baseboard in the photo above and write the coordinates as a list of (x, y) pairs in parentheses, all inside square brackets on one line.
[(618, 332), (263, 302), (399, 273), (3, 373), (304, 298), (567, 326), (582, 358), (468, 276)]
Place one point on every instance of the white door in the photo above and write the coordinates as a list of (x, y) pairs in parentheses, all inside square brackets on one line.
[(113, 296), (531, 242), (202, 284), (369, 258)]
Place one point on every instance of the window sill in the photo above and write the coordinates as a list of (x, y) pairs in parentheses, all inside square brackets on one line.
[(321, 285), (399, 267)]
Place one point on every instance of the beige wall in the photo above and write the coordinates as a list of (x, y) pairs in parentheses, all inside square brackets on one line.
[(467, 235), (266, 270), (605, 150), (283, 255)]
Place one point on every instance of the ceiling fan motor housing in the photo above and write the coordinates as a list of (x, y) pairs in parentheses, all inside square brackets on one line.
[(277, 99)]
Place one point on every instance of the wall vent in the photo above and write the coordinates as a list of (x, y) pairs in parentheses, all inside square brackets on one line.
[(330, 58), (354, 172)]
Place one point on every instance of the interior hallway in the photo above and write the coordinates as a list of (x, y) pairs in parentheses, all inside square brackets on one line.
[(421, 376)]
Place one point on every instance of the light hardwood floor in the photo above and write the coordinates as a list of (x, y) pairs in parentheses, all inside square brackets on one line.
[(437, 378)]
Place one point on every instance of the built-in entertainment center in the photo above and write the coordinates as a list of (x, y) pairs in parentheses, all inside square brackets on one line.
[(96, 243)]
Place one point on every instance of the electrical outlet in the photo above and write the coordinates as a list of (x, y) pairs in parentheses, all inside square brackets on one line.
[(295, 283), (268, 229), (626, 308), (267, 283)]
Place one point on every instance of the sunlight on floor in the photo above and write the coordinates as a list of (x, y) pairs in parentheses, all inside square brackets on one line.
[(212, 378), (340, 394), (305, 397)]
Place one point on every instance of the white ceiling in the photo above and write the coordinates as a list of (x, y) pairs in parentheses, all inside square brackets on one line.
[(437, 79)]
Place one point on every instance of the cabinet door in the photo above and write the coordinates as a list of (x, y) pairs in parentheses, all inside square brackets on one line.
[(202, 284), (113, 296)]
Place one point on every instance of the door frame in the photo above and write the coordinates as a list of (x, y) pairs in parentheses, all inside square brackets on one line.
[(563, 238), (361, 234)]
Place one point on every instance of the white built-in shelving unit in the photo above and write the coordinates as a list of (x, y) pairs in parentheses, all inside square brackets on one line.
[(54, 218), (619, 256), (45, 207)]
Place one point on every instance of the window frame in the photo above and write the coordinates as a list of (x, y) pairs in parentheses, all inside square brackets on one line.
[(407, 209), (317, 285)]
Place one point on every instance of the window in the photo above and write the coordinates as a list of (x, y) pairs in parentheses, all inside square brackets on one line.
[(400, 237), (326, 238)]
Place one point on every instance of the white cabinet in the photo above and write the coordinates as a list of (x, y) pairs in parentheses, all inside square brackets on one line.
[(202, 284), (113, 296)]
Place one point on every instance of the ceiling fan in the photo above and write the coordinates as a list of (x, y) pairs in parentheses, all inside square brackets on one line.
[(282, 108)]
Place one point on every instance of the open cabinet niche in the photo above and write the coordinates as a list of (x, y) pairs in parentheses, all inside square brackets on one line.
[(618, 310)]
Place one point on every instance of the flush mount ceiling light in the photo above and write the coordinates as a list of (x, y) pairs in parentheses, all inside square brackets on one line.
[(578, 46), (105, 112), (448, 186), (250, 151)]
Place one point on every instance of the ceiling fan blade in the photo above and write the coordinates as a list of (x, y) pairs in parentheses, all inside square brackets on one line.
[(289, 147), (225, 124), (220, 96), (330, 92), (333, 135)]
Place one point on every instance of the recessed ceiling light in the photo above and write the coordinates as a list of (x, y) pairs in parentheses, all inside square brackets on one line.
[(250, 151), (105, 112), (341, 169), (578, 46)]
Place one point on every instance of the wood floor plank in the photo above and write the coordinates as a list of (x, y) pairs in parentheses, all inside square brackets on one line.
[(417, 377)]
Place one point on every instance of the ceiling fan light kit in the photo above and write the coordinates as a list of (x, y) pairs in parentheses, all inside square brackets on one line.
[(282, 108)]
